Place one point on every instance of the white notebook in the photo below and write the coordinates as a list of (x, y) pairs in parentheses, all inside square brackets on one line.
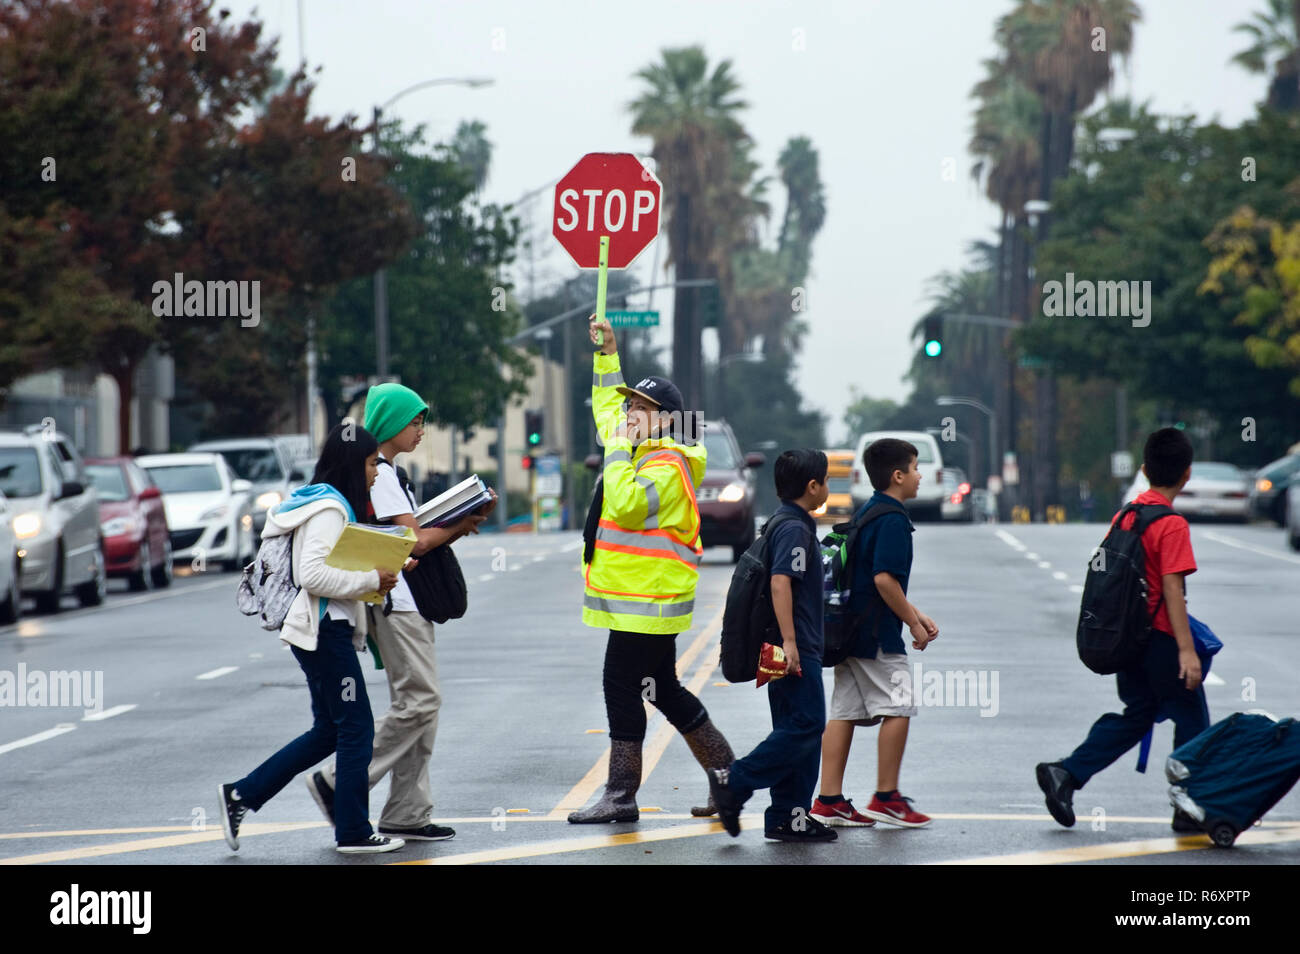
[(450, 505)]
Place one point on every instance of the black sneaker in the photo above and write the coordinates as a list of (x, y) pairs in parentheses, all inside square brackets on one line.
[(429, 832), (322, 795), (375, 844), (805, 829), (1058, 786), (232, 813), (1185, 824), (725, 799)]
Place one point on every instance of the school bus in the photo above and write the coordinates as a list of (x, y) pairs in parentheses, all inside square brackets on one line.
[(839, 505)]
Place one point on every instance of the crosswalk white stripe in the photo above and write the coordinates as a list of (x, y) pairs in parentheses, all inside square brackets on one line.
[(215, 673), (107, 713), (38, 737)]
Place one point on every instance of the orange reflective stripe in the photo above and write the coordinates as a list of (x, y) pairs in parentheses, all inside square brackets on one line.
[(641, 551), (666, 534)]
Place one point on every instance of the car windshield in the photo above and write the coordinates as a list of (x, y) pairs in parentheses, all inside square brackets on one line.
[(1280, 468), (1211, 470), (260, 465), (20, 472), (108, 480), (924, 449), (186, 478), (719, 450)]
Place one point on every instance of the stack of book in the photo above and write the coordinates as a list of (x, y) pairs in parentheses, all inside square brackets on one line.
[(445, 509)]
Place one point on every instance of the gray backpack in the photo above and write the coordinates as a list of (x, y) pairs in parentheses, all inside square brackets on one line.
[(267, 589)]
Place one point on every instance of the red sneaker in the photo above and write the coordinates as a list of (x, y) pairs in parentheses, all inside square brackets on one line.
[(897, 811), (840, 814)]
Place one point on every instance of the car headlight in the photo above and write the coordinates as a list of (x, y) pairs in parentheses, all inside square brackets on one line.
[(216, 513), (27, 525), (732, 492), (267, 500), (117, 526), (1263, 485)]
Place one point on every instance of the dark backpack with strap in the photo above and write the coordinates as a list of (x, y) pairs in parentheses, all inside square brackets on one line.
[(838, 628), (1114, 622), (437, 584), (748, 620)]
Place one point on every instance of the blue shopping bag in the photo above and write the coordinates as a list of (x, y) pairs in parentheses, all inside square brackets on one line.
[(1207, 644)]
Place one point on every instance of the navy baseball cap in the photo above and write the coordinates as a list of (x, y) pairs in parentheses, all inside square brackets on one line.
[(658, 391)]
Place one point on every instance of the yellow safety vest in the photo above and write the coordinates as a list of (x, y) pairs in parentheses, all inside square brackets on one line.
[(642, 576)]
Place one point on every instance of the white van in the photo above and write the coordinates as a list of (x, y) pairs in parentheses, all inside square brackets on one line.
[(929, 461)]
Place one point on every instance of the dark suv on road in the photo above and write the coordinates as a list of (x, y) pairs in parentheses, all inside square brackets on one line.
[(726, 494)]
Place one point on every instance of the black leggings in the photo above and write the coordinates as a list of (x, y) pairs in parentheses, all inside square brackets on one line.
[(639, 668)]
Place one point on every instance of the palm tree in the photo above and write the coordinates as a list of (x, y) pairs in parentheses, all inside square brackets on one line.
[(1275, 47), (1049, 46), (689, 113), (472, 150)]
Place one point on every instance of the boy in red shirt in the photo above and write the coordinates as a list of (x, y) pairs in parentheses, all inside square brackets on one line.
[(1167, 680)]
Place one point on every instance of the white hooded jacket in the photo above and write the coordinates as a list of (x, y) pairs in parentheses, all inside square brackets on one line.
[(319, 525)]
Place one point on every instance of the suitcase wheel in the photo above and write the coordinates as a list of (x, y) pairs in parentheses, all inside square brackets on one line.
[(1222, 833)]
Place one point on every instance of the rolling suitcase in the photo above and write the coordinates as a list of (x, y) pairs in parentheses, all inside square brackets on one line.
[(1227, 777)]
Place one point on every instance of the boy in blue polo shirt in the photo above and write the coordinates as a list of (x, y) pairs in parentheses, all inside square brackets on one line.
[(786, 761), (874, 684)]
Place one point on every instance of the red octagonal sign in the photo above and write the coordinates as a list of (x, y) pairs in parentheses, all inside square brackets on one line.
[(607, 193)]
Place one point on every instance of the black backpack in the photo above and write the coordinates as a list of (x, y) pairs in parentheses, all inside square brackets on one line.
[(437, 583), (748, 620), (1114, 623), (838, 547)]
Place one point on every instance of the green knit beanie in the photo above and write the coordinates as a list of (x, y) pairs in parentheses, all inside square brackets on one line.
[(390, 407)]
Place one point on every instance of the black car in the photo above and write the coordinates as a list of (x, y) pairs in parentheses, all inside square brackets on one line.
[(726, 494), (1268, 491)]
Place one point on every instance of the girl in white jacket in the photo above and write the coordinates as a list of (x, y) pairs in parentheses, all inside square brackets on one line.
[(325, 631)]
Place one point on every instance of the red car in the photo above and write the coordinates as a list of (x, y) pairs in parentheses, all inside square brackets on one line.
[(137, 544)]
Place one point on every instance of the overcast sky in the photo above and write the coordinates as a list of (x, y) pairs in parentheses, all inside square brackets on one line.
[(880, 86)]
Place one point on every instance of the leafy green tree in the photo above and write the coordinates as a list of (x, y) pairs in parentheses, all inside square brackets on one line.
[(449, 311)]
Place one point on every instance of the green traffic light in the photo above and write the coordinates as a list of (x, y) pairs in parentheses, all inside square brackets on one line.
[(534, 438), (933, 347)]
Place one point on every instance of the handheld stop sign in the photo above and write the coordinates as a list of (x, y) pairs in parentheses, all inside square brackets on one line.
[(606, 213)]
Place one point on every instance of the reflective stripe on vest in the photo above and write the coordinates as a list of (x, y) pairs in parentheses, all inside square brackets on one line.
[(618, 456), (651, 502), (636, 608), (674, 459), (610, 379), (644, 543)]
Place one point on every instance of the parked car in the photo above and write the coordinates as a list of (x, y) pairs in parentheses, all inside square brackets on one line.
[(209, 509), (262, 461), (957, 503), (56, 518), (929, 498), (1215, 490), (839, 478), (1268, 490), (11, 572), (726, 493), (133, 522)]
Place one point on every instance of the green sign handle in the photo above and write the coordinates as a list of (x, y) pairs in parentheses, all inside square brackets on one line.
[(602, 276)]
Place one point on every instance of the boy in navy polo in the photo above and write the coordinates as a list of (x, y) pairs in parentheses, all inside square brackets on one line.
[(786, 761), (874, 684)]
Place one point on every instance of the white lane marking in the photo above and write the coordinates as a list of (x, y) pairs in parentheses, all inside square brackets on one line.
[(1031, 556), (1008, 539), (1076, 588), (113, 602), (1044, 565), (539, 558), (517, 566), (1060, 575), (1213, 679), (1251, 547), (107, 713), (575, 545), (485, 577), (254, 655), (216, 673), (38, 737)]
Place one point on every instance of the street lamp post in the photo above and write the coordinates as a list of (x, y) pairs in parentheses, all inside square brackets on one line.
[(948, 400), (381, 274)]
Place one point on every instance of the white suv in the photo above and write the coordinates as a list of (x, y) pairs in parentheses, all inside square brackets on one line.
[(929, 461)]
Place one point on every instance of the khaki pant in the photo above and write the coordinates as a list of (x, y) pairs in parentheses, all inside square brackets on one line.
[(404, 736)]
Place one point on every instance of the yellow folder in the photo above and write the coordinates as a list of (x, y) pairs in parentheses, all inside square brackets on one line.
[(371, 548)]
